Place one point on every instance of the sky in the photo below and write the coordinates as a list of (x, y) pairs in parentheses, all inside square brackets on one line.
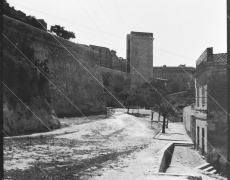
[(182, 29)]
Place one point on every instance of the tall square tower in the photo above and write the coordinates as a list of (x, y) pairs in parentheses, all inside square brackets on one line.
[(140, 56)]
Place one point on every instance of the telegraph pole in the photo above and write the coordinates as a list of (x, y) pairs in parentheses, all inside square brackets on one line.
[(228, 86)]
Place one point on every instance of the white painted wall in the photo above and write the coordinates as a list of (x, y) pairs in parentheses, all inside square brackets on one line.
[(187, 112), (201, 106)]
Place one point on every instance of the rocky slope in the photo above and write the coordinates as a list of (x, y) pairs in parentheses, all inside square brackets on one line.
[(26, 96)]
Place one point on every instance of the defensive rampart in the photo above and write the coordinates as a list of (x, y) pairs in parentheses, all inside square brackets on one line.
[(67, 73)]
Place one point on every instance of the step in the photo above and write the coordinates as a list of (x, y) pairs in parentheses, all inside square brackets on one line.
[(203, 166), (213, 172), (208, 169), (183, 143)]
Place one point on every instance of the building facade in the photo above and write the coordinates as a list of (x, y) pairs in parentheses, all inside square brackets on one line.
[(104, 56), (175, 73), (139, 55), (209, 130), (108, 58), (190, 122)]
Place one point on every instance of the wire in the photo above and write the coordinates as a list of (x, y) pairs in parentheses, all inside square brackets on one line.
[(220, 9), (66, 20), (36, 117), (137, 71), (45, 76), (100, 30), (92, 21), (206, 91), (108, 17), (120, 15)]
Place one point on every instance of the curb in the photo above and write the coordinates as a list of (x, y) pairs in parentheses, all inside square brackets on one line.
[(36, 135), (157, 135)]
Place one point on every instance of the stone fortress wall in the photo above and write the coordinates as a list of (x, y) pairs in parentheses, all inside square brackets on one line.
[(65, 71), (72, 78)]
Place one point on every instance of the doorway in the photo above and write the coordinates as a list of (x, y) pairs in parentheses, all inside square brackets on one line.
[(198, 137), (202, 141)]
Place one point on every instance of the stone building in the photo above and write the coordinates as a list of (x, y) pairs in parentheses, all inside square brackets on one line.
[(104, 55), (108, 58), (140, 55), (208, 121), (176, 74), (118, 63), (190, 122)]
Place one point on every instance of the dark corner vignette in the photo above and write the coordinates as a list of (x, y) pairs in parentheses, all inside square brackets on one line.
[(1, 94)]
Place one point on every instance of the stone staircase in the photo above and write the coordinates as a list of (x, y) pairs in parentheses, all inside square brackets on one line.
[(207, 167)]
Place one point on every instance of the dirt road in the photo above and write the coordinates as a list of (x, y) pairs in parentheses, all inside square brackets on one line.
[(96, 148)]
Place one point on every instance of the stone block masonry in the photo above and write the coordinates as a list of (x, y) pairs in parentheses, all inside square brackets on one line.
[(140, 56), (217, 119), (65, 71)]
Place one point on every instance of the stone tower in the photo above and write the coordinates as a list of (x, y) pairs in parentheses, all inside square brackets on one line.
[(140, 56)]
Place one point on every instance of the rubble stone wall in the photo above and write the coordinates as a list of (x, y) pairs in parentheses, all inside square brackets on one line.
[(67, 73), (217, 119)]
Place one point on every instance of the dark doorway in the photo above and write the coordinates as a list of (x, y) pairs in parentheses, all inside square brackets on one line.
[(202, 141)]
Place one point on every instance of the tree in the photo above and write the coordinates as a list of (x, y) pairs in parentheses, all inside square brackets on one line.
[(31, 20), (20, 16), (119, 87), (175, 86), (61, 32), (153, 94), (166, 108), (124, 96), (156, 98)]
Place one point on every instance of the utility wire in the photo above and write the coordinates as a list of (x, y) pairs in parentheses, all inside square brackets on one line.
[(91, 73), (37, 118), (119, 15), (108, 17), (100, 30), (220, 9), (205, 90), (92, 20), (66, 20), (195, 82), (132, 67), (95, 29), (44, 75), (141, 75)]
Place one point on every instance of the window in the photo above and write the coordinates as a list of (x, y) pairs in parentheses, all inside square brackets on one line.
[(203, 96), (197, 95)]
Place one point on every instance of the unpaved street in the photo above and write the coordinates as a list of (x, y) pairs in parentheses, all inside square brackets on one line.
[(87, 149)]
